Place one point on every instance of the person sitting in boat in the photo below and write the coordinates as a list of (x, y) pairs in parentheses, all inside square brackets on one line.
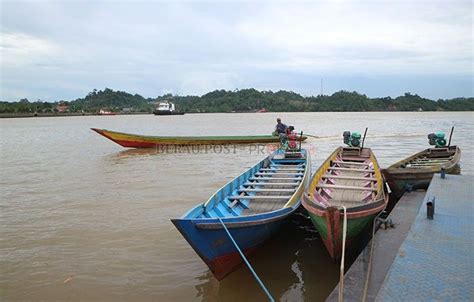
[(280, 128)]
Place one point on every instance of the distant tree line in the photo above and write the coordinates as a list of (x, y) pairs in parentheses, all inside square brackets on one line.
[(245, 100)]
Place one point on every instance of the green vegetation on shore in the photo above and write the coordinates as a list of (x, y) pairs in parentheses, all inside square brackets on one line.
[(245, 100)]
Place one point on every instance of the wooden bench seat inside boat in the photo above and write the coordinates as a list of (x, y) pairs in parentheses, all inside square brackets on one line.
[(271, 187), (263, 206), (343, 187), (275, 178), (352, 169), (348, 177), (282, 169), (350, 163), (348, 185), (277, 173), (440, 152), (259, 197), (348, 196), (276, 184), (267, 190), (355, 154), (347, 203)]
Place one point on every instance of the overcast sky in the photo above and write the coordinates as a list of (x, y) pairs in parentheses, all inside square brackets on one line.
[(64, 49)]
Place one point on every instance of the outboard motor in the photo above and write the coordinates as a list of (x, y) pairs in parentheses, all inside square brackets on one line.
[(347, 137), (292, 138), (352, 140), (437, 139)]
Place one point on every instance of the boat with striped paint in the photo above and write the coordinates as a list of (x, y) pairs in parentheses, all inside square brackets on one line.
[(252, 206), (349, 177), (145, 141)]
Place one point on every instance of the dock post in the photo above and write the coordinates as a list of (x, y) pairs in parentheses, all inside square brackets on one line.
[(430, 208), (443, 173)]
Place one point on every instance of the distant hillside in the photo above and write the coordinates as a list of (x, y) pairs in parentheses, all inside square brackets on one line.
[(114, 100), (245, 100), (281, 101)]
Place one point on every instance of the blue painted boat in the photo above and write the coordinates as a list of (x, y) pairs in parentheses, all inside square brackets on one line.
[(252, 206)]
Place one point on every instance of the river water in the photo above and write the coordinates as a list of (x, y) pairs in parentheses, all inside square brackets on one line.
[(81, 218)]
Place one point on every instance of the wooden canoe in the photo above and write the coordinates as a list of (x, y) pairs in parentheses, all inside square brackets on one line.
[(143, 141), (350, 177), (252, 206), (416, 171)]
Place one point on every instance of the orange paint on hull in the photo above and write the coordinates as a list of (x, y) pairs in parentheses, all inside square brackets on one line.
[(125, 143)]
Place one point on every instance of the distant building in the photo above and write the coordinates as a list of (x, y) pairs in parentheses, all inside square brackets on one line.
[(105, 111), (62, 107)]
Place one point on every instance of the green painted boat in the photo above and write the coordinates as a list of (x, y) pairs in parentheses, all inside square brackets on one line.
[(351, 178)]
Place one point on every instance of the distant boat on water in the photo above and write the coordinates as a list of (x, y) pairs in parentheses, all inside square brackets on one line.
[(166, 108)]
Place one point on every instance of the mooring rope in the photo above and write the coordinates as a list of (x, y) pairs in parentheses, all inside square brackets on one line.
[(341, 272), (270, 298), (369, 268), (371, 253)]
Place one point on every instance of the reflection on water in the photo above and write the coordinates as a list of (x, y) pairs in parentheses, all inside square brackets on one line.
[(81, 218), (286, 264), (207, 288)]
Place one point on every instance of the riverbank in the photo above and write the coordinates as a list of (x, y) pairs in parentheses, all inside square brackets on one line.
[(22, 115)]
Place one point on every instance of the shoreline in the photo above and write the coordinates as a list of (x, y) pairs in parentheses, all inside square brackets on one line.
[(26, 115), (29, 115)]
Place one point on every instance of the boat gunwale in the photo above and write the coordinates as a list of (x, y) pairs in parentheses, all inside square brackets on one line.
[(254, 220), (352, 212)]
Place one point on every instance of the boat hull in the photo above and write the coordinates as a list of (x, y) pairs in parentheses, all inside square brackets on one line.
[(329, 223), (158, 112), (142, 141), (213, 245), (249, 208)]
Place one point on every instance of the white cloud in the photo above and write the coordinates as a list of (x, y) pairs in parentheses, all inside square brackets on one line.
[(65, 49), (202, 82), (377, 37), (19, 50)]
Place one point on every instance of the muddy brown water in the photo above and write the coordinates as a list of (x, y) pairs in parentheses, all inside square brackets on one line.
[(81, 218)]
